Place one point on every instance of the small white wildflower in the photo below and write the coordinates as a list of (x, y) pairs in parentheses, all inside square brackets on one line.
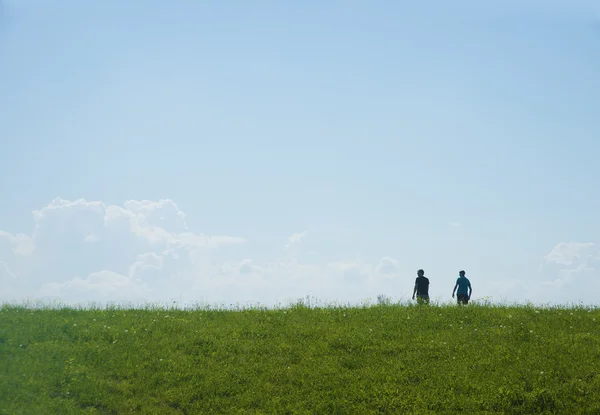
[(115, 341), (94, 319), (126, 331), (74, 324), (161, 360), (542, 372), (531, 331), (501, 326), (371, 330), (570, 314), (475, 329), (537, 311), (571, 326), (510, 316)]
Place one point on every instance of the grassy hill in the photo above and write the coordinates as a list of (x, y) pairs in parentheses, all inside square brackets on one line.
[(300, 360)]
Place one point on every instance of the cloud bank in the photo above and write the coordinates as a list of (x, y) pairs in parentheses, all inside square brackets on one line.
[(143, 251)]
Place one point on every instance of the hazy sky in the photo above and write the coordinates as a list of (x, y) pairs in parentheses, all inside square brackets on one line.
[(233, 151)]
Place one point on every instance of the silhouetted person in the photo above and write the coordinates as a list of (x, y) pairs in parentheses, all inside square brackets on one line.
[(464, 289), (421, 288)]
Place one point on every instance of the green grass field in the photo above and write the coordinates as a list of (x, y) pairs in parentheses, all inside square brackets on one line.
[(377, 359)]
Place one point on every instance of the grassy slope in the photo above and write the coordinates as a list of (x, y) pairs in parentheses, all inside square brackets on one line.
[(380, 359)]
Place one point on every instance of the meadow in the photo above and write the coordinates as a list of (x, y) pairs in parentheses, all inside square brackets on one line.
[(301, 359)]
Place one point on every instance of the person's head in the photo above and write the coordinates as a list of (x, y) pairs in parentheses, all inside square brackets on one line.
[(461, 273), (420, 273)]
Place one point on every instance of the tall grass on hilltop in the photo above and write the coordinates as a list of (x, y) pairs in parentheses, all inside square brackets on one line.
[(379, 359)]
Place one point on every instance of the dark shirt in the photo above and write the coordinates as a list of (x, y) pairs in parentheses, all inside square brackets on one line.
[(422, 285)]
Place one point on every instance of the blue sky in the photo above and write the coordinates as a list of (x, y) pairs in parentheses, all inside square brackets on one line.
[(433, 137)]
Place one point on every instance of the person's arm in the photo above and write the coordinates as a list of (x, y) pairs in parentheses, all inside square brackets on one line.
[(470, 290), (454, 290), (415, 289)]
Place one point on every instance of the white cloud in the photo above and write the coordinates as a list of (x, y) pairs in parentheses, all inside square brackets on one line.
[(19, 244), (99, 286), (387, 266), (572, 256), (7, 280), (144, 251), (295, 239), (244, 267), (164, 214), (571, 273), (91, 238), (73, 241)]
